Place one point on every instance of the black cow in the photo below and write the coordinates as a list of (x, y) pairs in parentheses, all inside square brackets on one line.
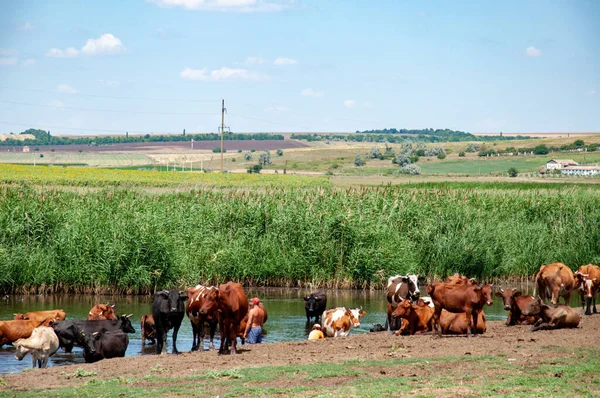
[(168, 311), (378, 328), (69, 332), (315, 305), (102, 345)]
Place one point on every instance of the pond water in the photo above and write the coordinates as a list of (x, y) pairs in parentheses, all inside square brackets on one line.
[(287, 319)]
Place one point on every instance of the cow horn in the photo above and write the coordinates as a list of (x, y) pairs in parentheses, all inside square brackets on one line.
[(125, 315), (491, 285), (129, 316), (95, 333), (113, 306), (501, 290)]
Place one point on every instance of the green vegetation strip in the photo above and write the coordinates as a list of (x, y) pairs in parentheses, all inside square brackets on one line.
[(573, 374), (128, 241)]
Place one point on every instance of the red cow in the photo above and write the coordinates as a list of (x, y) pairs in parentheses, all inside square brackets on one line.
[(588, 278), (196, 298), (515, 304), (451, 323), (148, 328), (57, 315), (230, 304), (555, 316), (101, 312), (399, 288), (458, 279), (556, 280), (469, 299), (11, 331), (419, 317)]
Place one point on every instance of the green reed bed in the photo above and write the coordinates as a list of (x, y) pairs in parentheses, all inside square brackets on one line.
[(135, 242)]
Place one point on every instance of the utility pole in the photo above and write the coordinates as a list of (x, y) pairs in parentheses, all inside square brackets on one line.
[(222, 131)]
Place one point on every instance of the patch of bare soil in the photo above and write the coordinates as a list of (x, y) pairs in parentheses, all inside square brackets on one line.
[(516, 343)]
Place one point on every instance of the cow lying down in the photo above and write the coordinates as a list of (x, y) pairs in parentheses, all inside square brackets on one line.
[(42, 344), (552, 316)]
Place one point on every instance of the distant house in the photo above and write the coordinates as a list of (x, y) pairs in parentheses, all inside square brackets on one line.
[(25, 148), (581, 170), (558, 164)]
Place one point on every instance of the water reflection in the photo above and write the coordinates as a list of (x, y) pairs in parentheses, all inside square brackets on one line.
[(287, 319)]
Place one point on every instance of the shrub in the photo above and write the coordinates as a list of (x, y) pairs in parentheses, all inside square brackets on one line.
[(579, 143), (375, 153), (513, 172), (218, 150), (41, 155), (472, 148), (248, 156), (410, 169), (252, 150), (540, 150), (413, 158), (335, 166), (461, 154), (265, 158), (280, 152), (239, 151), (402, 159), (255, 169), (358, 161), (441, 156)]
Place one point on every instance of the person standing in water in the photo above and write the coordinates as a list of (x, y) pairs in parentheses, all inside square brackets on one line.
[(256, 319)]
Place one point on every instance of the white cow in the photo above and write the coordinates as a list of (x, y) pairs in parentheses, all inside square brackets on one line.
[(42, 344)]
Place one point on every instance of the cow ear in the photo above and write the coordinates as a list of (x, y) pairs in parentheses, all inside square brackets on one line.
[(498, 294), (516, 294), (305, 299)]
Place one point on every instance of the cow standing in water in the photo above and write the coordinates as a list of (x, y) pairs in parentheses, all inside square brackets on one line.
[(400, 288), (196, 298), (101, 312), (168, 311), (42, 344), (314, 305)]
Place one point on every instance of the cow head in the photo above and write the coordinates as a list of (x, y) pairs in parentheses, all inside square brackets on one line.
[(355, 314), (126, 325), (19, 317), (413, 285), (403, 309), (21, 350), (535, 307), (211, 303), (171, 301), (508, 296), (312, 302), (90, 341), (487, 294)]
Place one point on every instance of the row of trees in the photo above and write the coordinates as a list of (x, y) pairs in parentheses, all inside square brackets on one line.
[(43, 137)]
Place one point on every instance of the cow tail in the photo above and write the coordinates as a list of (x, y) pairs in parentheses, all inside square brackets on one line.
[(535, 279), (430, 289)]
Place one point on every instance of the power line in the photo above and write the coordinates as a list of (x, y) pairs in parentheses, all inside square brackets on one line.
[(109, 110), (109, 96)]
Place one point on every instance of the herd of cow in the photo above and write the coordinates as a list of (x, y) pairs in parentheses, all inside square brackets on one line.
[(454, 306)]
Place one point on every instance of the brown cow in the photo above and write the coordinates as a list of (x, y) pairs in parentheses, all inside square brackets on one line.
[(459, 298), (57, 315), (552, 316), (588, 278), (11, 331), (457, 323), (419, 317), (196, 297), (556, 280), (101, 312), (458, 279), (515, 304), (230, 304), (148, 328)]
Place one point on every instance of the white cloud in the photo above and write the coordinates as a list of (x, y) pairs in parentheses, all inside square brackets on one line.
[(25, 26), (65, 89), (7, 61), (104, 45), (349, 103), (533, 52), (29, 62), (110, 83), (591, 92), (309, 92), (56, 103), (226, 5), (253, 61), (285, 61), (66, 53), (219, 75), (277, 109)]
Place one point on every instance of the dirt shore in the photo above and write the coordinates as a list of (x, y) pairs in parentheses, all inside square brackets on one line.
[(515, 344)]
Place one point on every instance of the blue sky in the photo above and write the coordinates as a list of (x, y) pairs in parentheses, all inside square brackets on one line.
[(299, 65)]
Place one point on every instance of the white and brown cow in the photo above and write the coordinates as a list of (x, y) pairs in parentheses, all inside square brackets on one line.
[(337, 322), (400, 288)]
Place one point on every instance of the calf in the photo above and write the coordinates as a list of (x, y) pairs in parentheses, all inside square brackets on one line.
[(196, 297), (456, 323), (552, 316), (515, 304), (400, 288), (104, 345), (588, 277), (11, 331), (168, 311), (69, 332), (419, 317), (148, 329), (337, 322), (42, 344), (556, 280), (100, 312), (314, 305), (56, 315), (469, 299)]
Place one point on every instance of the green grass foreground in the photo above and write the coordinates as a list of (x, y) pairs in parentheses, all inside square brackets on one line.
[(573, 374), (129, 241)]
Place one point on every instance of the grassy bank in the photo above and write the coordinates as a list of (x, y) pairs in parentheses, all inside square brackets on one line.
[(130, 241)]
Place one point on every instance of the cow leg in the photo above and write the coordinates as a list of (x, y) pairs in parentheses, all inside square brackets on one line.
[(68, 347), (469, 322), (567, 298), (175, 330), (475, 318), (223, 335), (543, 326), (594, 299), (161, 337), (45, 361), (436, 321), (33, 361), (195, 336), (212, 328), (233, 334)]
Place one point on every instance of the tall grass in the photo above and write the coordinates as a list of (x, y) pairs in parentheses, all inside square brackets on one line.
[(135, 242)]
